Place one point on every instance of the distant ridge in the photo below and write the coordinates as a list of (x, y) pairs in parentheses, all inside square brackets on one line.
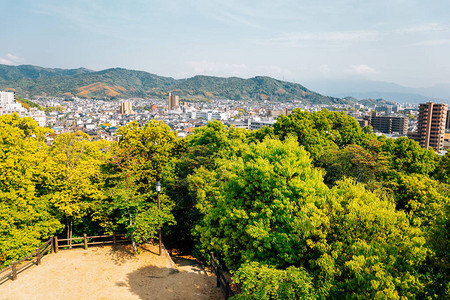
[(363, 89), (33, 81)]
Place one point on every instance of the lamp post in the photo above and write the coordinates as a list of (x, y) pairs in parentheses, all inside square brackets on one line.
[(158, 190)]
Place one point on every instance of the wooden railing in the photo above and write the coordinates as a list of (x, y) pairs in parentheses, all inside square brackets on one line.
[(53, 245), (34, 258), (88, 240), (221, 280)]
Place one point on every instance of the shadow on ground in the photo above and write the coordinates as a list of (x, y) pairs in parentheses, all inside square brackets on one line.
[(120, 254), (167, 283), (189, 264)]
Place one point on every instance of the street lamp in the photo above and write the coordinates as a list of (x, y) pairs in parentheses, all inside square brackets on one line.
[(158, 190)]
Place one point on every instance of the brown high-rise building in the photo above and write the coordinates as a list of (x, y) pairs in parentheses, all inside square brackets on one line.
[(447, 123), (173, 102), (125, 108), (388, 124), (431, 125)]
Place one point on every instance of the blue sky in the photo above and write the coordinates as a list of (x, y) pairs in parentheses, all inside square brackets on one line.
[(401, 41)]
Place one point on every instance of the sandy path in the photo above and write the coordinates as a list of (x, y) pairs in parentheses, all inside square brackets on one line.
[(107, 273)]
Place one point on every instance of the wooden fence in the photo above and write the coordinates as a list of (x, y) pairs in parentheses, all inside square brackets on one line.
[(34, 258), (53, 245), (221, 280), (89, 240)]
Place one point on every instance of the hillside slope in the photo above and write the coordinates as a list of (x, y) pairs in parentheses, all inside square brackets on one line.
[(32, 81)]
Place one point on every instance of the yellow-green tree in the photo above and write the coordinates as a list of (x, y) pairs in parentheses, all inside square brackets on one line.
[(76, 177), (26, 218), (270, 206), (137, 162)]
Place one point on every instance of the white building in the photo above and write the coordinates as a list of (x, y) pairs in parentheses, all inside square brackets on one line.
[(255, 125), (38, 116), (7, 99), (208, 115), (8, 104)]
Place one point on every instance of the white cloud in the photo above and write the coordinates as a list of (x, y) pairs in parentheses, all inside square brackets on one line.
[(218, 69), (325, 70), (422, 28), (361, 70), (10, 59), (441, 42), (332, 36), (238, 70)]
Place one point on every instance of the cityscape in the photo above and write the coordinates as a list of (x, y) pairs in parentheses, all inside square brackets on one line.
[(428, 123), (224, 149)]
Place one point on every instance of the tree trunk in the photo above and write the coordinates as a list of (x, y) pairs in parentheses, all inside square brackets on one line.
[(68, 232), (70, 241), (133, 242)]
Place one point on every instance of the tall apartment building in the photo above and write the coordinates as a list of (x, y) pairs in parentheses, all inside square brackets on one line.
[(9, 105), (126, 108), (447, 123), (388, 124), (7, 99), (173, 102), (431, 125)]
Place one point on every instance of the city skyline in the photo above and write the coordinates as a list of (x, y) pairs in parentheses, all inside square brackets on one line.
[(404, 42)]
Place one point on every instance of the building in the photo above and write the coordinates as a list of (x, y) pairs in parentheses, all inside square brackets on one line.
[(126, 108), (447, 122), (7, 99), (431, 125), (388, 124), (9, 105), (173, 102), (257, 124), (275, 113), (208, 115)]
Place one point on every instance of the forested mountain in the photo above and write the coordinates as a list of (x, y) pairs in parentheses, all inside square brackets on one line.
[(31, 81)]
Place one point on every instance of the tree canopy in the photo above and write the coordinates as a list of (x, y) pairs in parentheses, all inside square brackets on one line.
[(313, 208)]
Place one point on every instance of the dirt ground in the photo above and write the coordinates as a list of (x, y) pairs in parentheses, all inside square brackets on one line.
[(106, 272)]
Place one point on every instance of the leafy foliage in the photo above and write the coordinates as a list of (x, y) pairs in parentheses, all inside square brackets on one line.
[(263, 282), (25, 212), (137, 162), (313, 208)]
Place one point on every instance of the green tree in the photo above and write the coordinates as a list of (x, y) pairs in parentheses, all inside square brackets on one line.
[(363, 164), (271, 206), (407, 156), (320, 132), (137, 162), (442, 171), (265, 196), (437, 266), (423, 198), (264, 282), (201, 150), (26, 218), (370, 250), (76, 177)]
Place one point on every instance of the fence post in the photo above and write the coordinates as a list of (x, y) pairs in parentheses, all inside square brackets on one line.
[(52, 250), (56, 244), (38, 257), (114, 238), (85, 242), (211, 254), (227, 289), (14, 270)]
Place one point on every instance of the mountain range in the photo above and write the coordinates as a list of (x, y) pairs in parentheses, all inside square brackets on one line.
[(367, 89), (33, 81)]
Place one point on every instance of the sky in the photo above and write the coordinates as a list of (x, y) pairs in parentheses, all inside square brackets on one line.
[(401, 41)]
